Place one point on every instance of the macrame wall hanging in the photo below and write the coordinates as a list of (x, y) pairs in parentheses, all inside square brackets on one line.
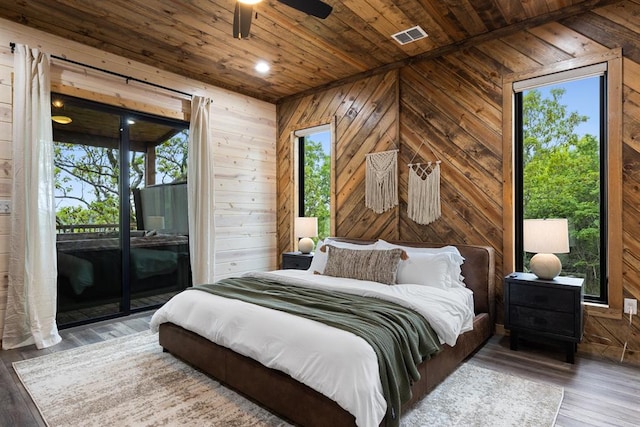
[(381, 192), (423, 204)]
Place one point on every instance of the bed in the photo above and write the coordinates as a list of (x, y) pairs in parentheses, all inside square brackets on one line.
[(289, 394)]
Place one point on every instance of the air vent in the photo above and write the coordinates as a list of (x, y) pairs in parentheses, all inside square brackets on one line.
[(410, 35)]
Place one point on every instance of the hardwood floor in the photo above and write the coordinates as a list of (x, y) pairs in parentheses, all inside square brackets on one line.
[(598, 392), (95, 310), (16, 407)]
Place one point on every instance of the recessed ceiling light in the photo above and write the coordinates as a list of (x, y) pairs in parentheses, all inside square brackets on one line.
[(262, 67), (63, 120), (57, 103), (131, 122), (250, 1)]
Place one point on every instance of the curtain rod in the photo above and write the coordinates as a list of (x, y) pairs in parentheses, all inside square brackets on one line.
[(113, 73)]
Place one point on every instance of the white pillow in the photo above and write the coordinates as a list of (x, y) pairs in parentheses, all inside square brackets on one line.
[(454, 261), (319, 260), (439, 270), (383, 244)]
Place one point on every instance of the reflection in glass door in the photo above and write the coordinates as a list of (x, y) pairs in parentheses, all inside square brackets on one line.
[(159, 251)]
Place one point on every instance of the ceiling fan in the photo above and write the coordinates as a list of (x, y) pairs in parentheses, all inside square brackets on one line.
[(244, 12)]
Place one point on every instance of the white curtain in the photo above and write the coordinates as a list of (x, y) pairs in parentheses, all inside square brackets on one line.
[(31, 303), (200, 188)]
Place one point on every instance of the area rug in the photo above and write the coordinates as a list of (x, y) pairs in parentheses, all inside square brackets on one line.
[(129, 381)]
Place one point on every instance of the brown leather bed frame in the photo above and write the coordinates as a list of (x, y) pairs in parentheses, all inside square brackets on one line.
[(304, 406)]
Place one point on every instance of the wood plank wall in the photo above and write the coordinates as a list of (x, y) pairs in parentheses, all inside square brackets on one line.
[(366, 121), (454, 104), (243, 131)]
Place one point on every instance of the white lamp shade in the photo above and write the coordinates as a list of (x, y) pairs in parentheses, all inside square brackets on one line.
[(154, 222), (547, 236), (306, 227)]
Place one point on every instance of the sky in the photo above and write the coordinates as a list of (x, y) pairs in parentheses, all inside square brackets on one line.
[(581, 96), (324, 138)]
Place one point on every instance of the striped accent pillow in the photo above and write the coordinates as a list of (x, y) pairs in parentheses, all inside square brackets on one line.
[(373, 265)]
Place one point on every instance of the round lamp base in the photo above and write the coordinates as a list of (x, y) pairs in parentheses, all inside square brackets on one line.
[(545, 266), (305, 245)]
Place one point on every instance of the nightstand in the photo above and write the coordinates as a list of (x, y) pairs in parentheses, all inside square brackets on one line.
[(296, 260), (545, 308)]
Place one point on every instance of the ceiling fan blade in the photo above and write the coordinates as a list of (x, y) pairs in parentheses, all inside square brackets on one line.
[(242, 20), (316, 8)]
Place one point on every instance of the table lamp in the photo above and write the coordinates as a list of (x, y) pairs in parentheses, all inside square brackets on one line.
[(545, 237), (306, 227)]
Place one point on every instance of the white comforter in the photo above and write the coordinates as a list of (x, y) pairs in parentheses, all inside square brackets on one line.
[(338, 364)]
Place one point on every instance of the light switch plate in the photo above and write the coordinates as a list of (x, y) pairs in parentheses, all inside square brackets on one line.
[(5, 206)]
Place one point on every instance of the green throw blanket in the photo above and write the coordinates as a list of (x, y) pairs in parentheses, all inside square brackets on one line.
[(400, 337)]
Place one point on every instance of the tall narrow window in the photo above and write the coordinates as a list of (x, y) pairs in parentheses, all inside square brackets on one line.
[(314, 176), (560, 167)]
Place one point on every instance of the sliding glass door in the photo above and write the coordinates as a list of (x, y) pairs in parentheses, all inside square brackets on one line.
[(121, 210)]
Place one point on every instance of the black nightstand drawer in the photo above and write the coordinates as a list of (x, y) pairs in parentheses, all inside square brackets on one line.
[(296, 260), (537, 320), (548, 298)]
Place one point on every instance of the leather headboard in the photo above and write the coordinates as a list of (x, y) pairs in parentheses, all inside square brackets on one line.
[(478, 270)]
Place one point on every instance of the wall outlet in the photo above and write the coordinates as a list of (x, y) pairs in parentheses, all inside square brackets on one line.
[(630, 306)]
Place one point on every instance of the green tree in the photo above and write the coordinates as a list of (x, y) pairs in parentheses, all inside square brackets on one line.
[(561, 178), (171, 158), (546, 123), (317, 185), (86, 178)]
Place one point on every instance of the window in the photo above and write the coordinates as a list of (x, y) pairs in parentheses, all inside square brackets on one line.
[(611, 171), (314, 176), (560, 156)]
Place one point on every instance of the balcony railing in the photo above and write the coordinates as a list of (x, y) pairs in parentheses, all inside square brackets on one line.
[(90, 228)]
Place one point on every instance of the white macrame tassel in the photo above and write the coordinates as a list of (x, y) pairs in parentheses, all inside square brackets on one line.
[(381, 192), (424, 193)]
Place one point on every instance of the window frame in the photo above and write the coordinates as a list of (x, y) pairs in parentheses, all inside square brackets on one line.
[(602, 181), (613, 174), (303, 130)]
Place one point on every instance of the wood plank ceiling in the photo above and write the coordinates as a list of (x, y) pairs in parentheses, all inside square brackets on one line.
[(193, 38)]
